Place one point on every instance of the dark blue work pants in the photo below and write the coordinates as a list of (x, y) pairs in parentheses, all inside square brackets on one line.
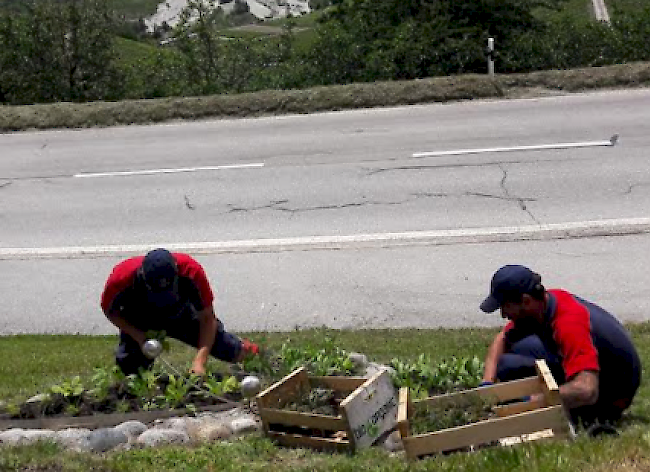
[(130, 359)]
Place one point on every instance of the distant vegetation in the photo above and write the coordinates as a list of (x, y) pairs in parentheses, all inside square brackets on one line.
[(86, 50)]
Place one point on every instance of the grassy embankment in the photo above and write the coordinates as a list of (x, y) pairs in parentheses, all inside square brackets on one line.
[(441, 89), (31, 363)]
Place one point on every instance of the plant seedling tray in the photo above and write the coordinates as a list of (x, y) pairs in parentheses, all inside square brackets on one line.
[(514, 422), (368, 409)]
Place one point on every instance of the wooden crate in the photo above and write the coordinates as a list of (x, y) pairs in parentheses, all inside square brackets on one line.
[(368, 409), (515, 422)]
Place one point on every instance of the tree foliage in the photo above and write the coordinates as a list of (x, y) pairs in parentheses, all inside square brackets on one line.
[(64, 50), (58, 51)]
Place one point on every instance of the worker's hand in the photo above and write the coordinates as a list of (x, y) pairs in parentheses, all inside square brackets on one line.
[(198, 368)]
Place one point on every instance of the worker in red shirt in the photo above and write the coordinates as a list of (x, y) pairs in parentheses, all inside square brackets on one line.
[(167, 292), (589, 352)]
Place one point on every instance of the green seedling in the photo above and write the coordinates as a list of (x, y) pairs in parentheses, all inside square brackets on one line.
[(68, 389)]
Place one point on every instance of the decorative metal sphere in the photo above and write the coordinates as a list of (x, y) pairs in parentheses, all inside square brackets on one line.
[(152, 348), (250, 386)]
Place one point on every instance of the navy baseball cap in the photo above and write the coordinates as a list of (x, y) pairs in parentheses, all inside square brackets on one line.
[(159, 272), (508, 281)]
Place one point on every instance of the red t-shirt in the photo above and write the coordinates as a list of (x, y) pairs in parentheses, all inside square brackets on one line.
[(571, 326), (123, 275)]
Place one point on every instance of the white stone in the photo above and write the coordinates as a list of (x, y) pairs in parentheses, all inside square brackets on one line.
[(244, 425), (179, 423), (132, 429), (105, 439), (207, 431), (12, 436), (158, 437), (374, 368), (76, 439), (19, 436), (41, 397), (360, 361)]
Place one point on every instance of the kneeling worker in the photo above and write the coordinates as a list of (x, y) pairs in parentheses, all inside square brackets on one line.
[(589, 352), (170, 292)]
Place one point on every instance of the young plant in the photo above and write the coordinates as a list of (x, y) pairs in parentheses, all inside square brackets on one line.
[(217, 387), (177, 390), (122, 406), (69, 389), (71, 409), (143, 385), (103, 380)]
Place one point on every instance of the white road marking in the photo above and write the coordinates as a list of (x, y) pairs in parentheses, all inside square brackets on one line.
[(168, 171), (611, 142), (573, 230)]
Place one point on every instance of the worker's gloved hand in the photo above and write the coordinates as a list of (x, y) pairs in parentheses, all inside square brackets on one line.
[(485, 383)]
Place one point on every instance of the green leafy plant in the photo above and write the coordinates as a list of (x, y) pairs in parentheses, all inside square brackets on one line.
[(103, 380), (122, 406), (217, 387), (426, 375), (326, 360), (176, 392), (69, 388), (71, 409), (143, 385)]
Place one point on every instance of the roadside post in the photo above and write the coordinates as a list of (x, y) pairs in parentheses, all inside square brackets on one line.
[(490, 56)]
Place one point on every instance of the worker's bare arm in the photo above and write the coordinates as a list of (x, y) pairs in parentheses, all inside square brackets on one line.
[(126, 327), (582, 390), (495, 351)]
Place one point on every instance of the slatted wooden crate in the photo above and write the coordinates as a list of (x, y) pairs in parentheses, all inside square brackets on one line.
[(368, 408), (514, 422)]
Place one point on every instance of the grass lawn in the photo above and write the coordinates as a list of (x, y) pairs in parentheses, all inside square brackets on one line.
[(31, 363)]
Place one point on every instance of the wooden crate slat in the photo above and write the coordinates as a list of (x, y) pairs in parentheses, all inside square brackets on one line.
[(484, 431), (293, 440), (521, 407), (338, 383), (284, 390), (549, 386), (403, 412), (494, 393), (307, 420), (367, 412)]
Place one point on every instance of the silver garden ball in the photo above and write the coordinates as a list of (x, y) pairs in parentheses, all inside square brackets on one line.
[(250, 386), (152, 348)]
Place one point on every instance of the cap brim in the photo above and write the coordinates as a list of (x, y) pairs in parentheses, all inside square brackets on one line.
[(490, 304)]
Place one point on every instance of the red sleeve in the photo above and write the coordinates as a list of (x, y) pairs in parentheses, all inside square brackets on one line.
[(188, 267), (572, 331), (121, 277)]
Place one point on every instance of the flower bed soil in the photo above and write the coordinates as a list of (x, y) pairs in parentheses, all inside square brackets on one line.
[(119, 399)]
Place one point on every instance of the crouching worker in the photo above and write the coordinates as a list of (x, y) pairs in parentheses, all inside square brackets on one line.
[(589, 352), (170, 292)]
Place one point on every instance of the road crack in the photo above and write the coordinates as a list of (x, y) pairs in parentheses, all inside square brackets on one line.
[(520, 200), (632, 187)]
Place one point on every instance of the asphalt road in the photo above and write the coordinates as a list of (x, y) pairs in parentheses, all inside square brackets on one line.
[(329, 219)]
